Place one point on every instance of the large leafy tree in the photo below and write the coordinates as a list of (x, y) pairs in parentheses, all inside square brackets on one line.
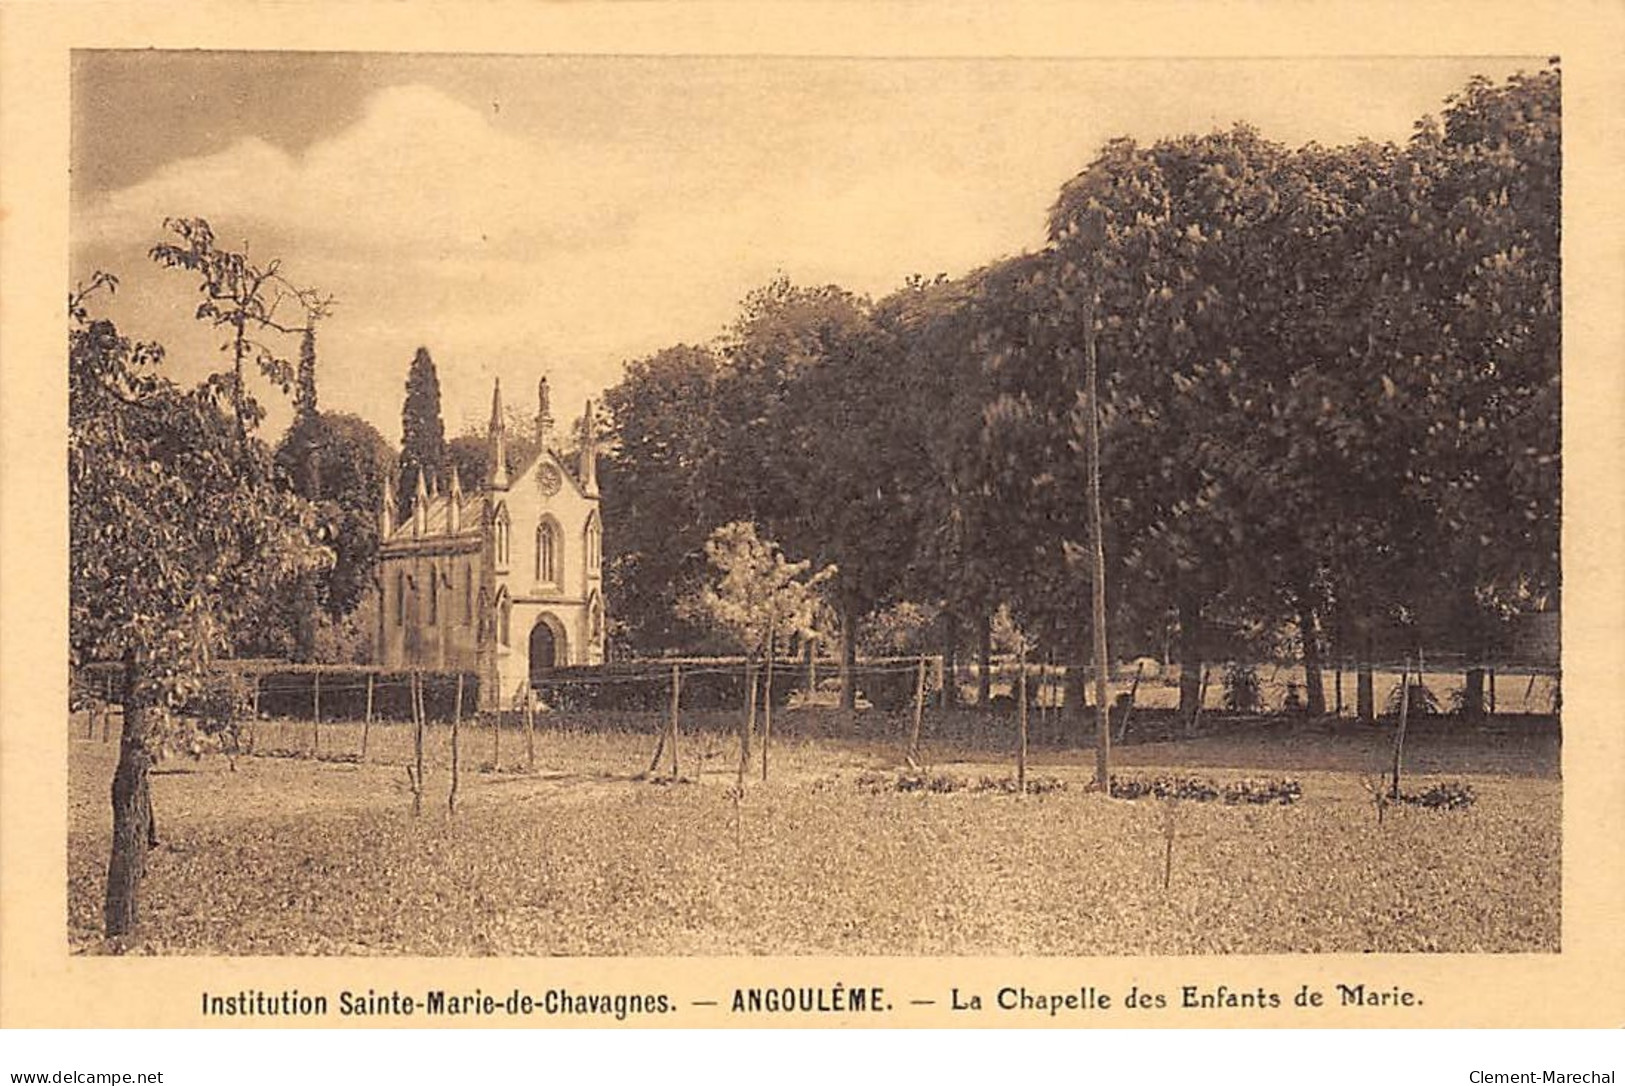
[(341, 464), (807, 421), (659, 481), (177, 536)]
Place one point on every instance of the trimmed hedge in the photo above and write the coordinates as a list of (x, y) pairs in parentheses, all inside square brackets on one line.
[(648, 688), (291, 694)]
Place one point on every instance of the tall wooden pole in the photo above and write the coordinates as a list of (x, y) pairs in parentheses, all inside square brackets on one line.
[(1097, 547), (316, 714)]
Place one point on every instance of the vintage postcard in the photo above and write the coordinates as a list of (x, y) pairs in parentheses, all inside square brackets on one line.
[(708, 516)]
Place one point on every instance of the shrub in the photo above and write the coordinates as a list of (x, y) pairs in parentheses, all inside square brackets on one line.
[(1241, 689), (1422, 700), (1444, 796), (647, 687), (1202, 790), (919, 780)]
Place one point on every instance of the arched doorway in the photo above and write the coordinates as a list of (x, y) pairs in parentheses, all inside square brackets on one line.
[(546, 648)]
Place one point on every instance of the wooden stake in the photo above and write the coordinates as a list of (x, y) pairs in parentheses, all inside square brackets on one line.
[(1339, 711), (1492, 691), (530, 728), (767, 706), (316, 714), (746, 723), (676, 698), (496, 737), (1021, 720), (919, 712), (456, 725), (255, 709), (366, 723), (417, 744), (1399, 734)]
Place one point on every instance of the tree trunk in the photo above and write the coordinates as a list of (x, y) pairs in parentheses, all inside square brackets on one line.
[(304, 649), (1075, 683), (1365, 697), (134, 831), (1472, 696), (950, 660), (1399, 733), (984, 662), (1190, 658), (1313, 682), (849, 657)]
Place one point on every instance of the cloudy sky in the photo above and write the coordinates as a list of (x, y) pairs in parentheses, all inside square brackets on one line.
[(565, 214)]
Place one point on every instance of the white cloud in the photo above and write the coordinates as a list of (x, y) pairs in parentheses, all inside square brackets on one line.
[(506, 254)]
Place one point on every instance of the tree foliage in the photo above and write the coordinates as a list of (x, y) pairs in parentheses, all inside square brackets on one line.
[(757, 595), (1330, 388)]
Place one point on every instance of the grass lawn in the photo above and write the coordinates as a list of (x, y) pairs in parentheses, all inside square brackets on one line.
[(289, 855)]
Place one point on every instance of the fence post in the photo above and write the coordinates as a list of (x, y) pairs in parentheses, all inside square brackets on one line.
[(1492, 691), (496, 737), (366, 723), (456, 725), (316, 715)]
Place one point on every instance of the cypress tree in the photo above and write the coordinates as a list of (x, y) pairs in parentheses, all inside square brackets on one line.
[(423, 434), (304, 397)]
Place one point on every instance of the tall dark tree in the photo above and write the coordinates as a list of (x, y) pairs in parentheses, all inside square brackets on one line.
[(423, 432), (304, 396)]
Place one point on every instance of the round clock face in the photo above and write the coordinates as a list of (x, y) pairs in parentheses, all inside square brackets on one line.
[(549, 480)]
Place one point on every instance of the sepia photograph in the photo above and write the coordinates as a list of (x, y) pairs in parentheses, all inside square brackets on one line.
[(651, 516), (620, 505)]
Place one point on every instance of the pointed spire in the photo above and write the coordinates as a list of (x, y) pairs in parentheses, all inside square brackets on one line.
[(498, 436), (420, 506), (589, 454), (386, 511), (454, 503), (544, 415)]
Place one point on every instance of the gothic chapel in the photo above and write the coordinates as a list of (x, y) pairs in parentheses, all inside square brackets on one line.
[(507, 582)]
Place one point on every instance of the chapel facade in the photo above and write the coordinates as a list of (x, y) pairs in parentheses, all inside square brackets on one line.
[(506, 582)]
